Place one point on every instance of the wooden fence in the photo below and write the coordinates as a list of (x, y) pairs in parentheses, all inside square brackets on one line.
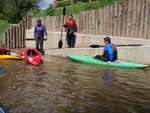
[(129, 18), (14, 37)]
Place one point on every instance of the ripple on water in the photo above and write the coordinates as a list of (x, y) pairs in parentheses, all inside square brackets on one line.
[(59, 85)]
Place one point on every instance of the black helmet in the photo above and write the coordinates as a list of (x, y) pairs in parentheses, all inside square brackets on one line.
[(39, 21), (107, 39)]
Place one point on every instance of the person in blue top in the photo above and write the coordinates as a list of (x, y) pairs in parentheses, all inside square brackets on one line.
[(109, 52), (39, 32)]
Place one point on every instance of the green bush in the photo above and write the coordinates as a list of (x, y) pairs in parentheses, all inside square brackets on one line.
[(51, 10), (14, 10), (77, 7), (3, 26), (63, 3)]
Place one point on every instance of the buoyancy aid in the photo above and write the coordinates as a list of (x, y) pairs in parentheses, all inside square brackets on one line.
[(70, 23), (110, 52)]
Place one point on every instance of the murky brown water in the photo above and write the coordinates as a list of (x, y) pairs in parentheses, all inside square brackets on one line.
[(62, 86)]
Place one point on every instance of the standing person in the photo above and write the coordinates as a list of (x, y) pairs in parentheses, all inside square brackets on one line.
[(70, 28), (109, 52), (39, 32)]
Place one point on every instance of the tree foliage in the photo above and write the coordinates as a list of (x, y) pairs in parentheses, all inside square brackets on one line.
[(2, 4), (78, 6), (51, 10), (62, 3), (14, 10)]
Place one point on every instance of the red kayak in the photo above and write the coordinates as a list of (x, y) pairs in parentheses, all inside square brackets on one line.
[(33, 56)]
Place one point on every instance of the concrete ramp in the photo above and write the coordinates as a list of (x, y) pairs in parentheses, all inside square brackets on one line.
[(139, 54), (82, 40)]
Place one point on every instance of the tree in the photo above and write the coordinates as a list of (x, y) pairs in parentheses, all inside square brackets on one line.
[(14, 10), (50, 10), (2, 6)]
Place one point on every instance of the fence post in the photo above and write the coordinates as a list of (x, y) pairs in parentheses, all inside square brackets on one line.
[(23, 33), (5, 40)]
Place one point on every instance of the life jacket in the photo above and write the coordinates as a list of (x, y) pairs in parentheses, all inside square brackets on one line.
[(70, 23), (110, 52), (115, 52), (39, 31)]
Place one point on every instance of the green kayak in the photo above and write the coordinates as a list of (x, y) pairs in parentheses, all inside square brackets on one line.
[(91, 60)]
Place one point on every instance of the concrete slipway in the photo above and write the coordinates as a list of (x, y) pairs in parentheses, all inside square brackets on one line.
[(140, 54)]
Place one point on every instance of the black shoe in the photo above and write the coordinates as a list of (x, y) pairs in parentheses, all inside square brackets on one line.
[(42, 52)]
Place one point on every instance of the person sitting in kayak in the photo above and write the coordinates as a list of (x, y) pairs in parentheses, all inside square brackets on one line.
[(109, 52), (4, 51)]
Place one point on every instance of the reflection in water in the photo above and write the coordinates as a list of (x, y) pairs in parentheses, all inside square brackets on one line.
[(62, 86), (1, 71), (108, 78)]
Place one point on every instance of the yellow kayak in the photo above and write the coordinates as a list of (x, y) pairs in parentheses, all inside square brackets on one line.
[(10, 57)]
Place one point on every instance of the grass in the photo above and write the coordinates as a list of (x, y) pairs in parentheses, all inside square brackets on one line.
[(3, 26), (77, 8)]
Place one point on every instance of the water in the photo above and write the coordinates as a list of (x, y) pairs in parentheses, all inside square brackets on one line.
[(59, 85)]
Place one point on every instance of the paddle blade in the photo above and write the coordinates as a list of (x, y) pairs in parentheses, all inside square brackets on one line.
[(94, 46), (60, 44)]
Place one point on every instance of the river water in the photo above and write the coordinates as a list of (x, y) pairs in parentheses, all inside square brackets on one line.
[(59, 85)]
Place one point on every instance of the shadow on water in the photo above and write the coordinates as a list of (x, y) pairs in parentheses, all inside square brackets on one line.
[(1, 71), (108, 78), (59, 85)]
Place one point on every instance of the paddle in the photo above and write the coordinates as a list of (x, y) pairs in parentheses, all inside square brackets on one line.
[(60, 43), (97, 46)]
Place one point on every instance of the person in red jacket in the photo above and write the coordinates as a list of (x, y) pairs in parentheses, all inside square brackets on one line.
[(70, 28)]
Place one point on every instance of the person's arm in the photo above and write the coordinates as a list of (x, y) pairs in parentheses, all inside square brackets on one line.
[(115, 53), (45, 31), (34, 31), (74, 27), (104, 50), (65, 26)]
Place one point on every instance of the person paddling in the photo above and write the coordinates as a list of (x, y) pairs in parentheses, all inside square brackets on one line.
[(39, 32), (109, 52), (70, 28)]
